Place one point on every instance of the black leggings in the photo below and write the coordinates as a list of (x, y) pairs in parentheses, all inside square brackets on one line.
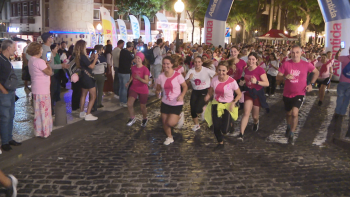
[(221, 125), (197, 102), (272, 87)]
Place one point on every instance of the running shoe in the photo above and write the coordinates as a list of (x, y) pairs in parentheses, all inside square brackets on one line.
[(291, 137), (168, 141), (123, 105), (287, 131), (82, 114), (131, 121), (181, 121), (219, 147), (90, 117), (241, 136), (144, 122), (196, 127), (256, 127), (319, 103), (266, 94), (12, 191)]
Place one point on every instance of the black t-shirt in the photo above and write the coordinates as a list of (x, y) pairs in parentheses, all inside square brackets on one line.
[(5, 69), (85, 63), (60, 51), (125, 61)]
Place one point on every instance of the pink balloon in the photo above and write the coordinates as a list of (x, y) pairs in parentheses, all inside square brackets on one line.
[(74, 78)]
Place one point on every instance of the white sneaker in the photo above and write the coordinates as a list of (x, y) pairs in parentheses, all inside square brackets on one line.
[(131, 122), (266, 94), (196, 127), (82, 114), (90, 117), (168, 141), (116, 96), (123, 105), (181, 121), (13, 190)]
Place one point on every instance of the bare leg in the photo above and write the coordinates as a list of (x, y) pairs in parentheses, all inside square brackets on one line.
[(166, 127), (294, 118), (82, 99), (4, 180), (92, 92), (131, 101), (195, 120), (248, 105), (144, 110), (322, 92), (255, 114)]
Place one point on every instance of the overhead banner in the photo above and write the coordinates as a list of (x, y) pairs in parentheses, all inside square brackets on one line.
[(114, 33), (91, 30), (106, 25), (336, 14), (215, 21), (122, 30), (165, 26), (228, 32), (148, 37), (135, 26)]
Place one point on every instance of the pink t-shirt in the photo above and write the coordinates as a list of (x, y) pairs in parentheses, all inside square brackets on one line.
[(297, 85), (262, 65), (137, 85), (180, 69), (223, 91), (344, 61), (239, 70), (257, 72), (171, 88), (313, 62), (324, 73), (40, 81)]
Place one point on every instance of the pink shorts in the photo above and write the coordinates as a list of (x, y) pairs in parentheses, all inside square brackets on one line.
[(142, 97)]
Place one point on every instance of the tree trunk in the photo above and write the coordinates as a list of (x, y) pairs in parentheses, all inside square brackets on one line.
[(192, 22)]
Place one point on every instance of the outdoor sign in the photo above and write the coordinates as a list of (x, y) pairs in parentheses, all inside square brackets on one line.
[(135, 26), (228, 32), (165, 25), (106, 25), (13, 29), (336, 14), (148, 37), (173, 26), (114, 33), (215, 21), (122, 30)]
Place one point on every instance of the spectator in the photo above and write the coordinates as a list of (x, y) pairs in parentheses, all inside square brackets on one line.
[(99, 75), (124, 71), (108, 86), (40, 72), (116, 56), (25, 71), (343, 89), (86, 79), (158, 53), (7, 95)]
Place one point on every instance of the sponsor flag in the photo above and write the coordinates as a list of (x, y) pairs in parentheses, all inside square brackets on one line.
[(148, 37), (106, 25), (114, 34), (122, 30), (135, 26), (91, 30)]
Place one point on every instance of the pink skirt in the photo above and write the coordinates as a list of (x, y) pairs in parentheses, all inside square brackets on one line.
[(42, 115)]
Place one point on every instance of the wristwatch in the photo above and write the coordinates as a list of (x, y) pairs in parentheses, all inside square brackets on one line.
[(312, 84), (257, 82)]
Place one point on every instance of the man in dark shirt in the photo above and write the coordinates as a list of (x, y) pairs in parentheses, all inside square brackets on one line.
[(124, 70), (7, 97)]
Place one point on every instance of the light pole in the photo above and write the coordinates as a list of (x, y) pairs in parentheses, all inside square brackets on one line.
[(99, 28), (300, 29), (237, 30), (179, 7), (256, 33)]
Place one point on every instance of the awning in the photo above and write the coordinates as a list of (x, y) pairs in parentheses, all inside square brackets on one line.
[(275, 34)]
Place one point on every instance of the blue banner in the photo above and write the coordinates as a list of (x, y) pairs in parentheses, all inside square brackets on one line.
[(148, 37), (333, 10), (228, 32), (219, 9)]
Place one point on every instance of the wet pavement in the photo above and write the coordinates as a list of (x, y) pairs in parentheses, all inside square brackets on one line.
[(111, 159)]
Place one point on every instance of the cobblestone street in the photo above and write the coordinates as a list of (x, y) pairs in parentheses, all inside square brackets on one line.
[(111, 159)]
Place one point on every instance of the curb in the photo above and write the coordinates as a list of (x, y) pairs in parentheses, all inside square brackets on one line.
[(37, 146)]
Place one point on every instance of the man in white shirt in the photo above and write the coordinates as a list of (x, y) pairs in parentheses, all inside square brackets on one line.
[(159, 35), (158, 52), (245, 54), (116, 55)]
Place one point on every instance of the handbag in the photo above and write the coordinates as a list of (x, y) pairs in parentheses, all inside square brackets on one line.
[(11, 82)]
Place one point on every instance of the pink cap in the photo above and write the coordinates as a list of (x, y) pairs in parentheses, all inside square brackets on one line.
[(141, 55)]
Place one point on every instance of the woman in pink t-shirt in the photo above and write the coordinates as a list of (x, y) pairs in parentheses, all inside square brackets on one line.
[(255, 79), (40, 72), (170, 83), (236, 70), (326, 70), (139, 78), (223, 88)]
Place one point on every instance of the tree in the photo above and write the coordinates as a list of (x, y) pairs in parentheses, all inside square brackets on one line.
[(140, 7)]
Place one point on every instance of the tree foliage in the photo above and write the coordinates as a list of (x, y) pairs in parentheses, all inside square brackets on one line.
[(140, 7)]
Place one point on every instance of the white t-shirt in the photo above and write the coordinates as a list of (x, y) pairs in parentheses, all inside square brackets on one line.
[(272, 71), (159, 36), (245, 58), (201, 79)]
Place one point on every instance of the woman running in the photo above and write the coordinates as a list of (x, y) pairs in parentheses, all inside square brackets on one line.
[(254, 79), (236, 70), (139, 88), (170, 82), (222, 110), (199, 77), (326, 71)]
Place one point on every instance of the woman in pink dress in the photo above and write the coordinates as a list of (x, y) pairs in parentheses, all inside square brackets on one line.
[(40, 72)]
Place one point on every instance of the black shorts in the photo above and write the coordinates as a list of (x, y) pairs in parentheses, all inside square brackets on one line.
[(168, 109), (86, 81), (296, 101), (323, 82)]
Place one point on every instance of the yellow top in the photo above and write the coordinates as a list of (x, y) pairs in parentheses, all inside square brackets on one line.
[(221, 107)]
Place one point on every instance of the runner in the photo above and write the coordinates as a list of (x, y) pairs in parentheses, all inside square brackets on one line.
[(138, 89), (177, 65), (170, 82), (326, 70), (10, 183), (221, 110), (254, 79), (330, 58), (295, 72), (199, 77), (272, 72), (238, 65)]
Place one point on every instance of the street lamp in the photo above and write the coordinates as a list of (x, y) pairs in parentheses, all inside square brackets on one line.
[(237, 30), (256, 33), (300, 29), (179, 7)]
